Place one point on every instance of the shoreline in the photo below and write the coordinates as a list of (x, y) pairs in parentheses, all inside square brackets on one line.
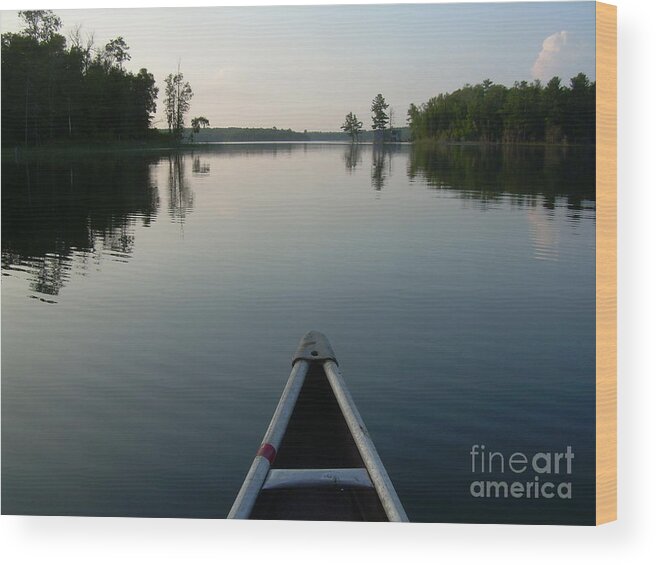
[(18, 153)]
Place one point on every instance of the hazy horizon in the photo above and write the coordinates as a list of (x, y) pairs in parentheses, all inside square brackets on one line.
[(305, 67)]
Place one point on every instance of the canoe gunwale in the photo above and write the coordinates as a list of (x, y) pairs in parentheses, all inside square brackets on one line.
[(257, 474), (374, 465)]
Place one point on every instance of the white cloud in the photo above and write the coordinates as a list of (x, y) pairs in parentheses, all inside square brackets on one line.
[(559, 57)]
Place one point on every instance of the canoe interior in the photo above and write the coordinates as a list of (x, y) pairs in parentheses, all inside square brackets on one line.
[(318, 438)]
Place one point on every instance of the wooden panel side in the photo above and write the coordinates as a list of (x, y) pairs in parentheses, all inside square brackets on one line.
[(606, 256)]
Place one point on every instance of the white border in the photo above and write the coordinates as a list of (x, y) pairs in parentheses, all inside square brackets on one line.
[(122, 540)]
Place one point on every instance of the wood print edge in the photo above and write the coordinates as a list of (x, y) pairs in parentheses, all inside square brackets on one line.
[(606, 264)]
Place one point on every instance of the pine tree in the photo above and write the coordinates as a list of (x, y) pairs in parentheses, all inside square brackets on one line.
[(379, 116), (352, 126)]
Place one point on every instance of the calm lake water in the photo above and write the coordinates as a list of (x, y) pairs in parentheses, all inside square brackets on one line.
[(151, 304)]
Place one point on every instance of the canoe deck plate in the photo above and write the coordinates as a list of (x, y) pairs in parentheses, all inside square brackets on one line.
[(314, 347)]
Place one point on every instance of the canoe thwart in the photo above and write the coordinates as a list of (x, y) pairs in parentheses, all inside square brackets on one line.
[(314, 346), (307, 478)]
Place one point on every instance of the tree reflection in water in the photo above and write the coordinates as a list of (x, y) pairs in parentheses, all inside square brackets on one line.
[(200, 167), (352, 157), (181, 197), (60, 216), (528, 175), (378, 166)]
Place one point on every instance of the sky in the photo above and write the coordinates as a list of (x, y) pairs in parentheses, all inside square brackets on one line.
[(305, 67)]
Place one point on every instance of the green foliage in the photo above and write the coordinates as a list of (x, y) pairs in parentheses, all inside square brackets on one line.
[(177, 99), (379, 117), (352, 126), (53, 91), (526, 112), (198, 123), (41, 25), (116, 53)]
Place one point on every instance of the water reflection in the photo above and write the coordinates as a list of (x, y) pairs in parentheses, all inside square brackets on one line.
[(529, 176), (200, 167), (382, 157), (65, 216), (60, 216), (352, 157), (379, 172), (181, 196), (545, 236), (246, 149)]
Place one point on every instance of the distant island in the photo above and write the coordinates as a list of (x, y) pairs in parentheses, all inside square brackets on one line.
[(238, 134)]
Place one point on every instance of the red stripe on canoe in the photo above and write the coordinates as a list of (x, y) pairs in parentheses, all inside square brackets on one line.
[(268, 452)]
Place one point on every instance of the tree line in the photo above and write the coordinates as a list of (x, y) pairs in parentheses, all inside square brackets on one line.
[(525, 112), (54, 88), (67, 89), (232, 134)]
